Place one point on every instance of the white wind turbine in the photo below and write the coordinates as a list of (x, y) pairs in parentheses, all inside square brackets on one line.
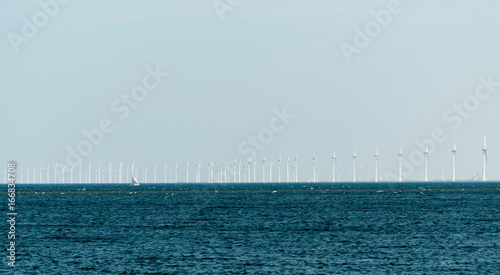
[(288, 169), (249, 170), (354, 166), (90, 166), (485, 158), (279, 168), (296, 166), (254, 171), (264, 170), (400, 159), (426, 160), (156, 167), (34, 173), (145, 175), (48, 173), (55, 173), (64, 168), (453, 157), (41, 175), (165, 173), (175, 174), (21, 175), (120, 177), (239, 171), (71, 173), (234, 169), (271, 171), (99, 172), (80, 172), (110, 172), (376, 165), (334, 158), (314, 167), (28, 175)]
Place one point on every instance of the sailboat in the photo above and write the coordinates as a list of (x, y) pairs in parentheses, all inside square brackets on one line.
[(134, 180)]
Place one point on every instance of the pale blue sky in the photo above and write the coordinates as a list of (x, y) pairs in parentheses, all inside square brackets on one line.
[(226, 77)]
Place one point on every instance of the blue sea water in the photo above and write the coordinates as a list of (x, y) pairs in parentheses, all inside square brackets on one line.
[(302, 228)]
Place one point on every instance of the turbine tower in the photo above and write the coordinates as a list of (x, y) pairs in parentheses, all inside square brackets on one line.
[(41, 171), (110, 174), (80, 173), (354, 166), (264, 170), (314, 167), (48, 173), (426, 160), (90, 166), (376, 165), (165, 170), (64, 168), (55, 173), (485, 159), (71, 174), (271, 171), (34, 173), (334, 158), (187, 172), (156, 167), (288, 169), (453, 156), (279, 169), (400, 158), (176, 166), (296, 166)]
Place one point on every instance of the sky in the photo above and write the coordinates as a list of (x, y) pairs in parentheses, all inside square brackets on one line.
[(160, 82)]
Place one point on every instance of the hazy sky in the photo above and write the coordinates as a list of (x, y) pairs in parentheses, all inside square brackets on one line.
[(230, 72)]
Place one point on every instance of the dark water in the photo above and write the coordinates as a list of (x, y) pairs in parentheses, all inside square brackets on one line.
[(257, 229)]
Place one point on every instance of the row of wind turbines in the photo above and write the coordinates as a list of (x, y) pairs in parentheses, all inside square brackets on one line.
[(220, 172)]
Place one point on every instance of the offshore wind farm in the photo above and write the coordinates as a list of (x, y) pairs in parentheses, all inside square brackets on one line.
[(240, 171)]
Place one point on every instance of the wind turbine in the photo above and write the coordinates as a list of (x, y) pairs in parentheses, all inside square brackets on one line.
[(71, 173), (288, 169), (314, 167), (354, 166), (145, 175), (99, 172), (165, 173), (80, 172), (400, 158), (28, 175), (41, 176), (453, 156), (48, 173), (485, 159), (264, 170), (55, 173), (426, 160), (254, 171), (187, 172), (334, 158), (239, 171), (34, 173), (271, 171), (21, 176), (376, 165), (296, 166), (234, 169), (156, 167), (110, 174), (176, 166), (120, 171), (64, 168), (90, 166), (208, 172), (279, 168)]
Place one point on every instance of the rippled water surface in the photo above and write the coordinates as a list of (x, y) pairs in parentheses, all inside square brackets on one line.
[(249, 229)]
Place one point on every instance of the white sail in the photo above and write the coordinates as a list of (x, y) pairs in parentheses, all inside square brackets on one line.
[(134, 180)]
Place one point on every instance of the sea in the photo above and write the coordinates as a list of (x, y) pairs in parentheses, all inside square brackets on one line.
[(244, 228)]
